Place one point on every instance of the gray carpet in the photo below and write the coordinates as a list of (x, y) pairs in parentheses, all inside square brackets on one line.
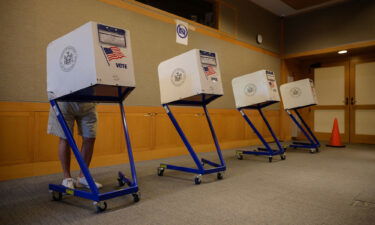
[(336, 186)]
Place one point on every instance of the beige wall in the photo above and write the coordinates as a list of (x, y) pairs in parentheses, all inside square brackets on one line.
[(250, 21), (28, 27), (341, 24)]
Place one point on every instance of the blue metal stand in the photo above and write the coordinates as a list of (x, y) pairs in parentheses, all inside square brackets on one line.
[(98, 198), (200, 170), (268, 151), (313, 144)]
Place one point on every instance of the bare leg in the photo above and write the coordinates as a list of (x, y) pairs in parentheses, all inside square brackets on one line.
[(87, 151), (64, 156)]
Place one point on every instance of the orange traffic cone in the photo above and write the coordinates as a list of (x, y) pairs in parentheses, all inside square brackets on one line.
[(335, 140)]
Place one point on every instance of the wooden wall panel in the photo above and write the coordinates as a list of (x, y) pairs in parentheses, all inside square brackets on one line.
[(273, 120), (45, 145), (15, 141), (166, 136), (27, 150), (141, 126), (229, 126), (109, 131)]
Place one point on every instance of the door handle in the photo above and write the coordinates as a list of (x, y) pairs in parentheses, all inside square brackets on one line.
[(352, 101)]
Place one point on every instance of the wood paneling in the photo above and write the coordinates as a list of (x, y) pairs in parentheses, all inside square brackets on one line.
[(141, 130), (27, 150), (46, 149), (108, 134), (15, 141)]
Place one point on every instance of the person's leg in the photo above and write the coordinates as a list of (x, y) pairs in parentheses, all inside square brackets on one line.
[(87, 124), (87, 151), (64, 156), (54, 128)]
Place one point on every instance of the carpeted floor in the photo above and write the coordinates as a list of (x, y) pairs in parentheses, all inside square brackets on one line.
[(335, 186)]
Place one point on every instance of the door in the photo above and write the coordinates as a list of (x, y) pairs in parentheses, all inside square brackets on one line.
[(332, 88), (362, 100)]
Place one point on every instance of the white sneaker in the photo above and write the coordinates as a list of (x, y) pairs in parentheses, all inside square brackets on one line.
[(82, 182), (68, 182)]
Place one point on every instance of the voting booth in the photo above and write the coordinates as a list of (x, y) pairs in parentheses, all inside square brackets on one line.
[(93, 63), (256, 88), (192, 79), (296, 95), (256, 91)]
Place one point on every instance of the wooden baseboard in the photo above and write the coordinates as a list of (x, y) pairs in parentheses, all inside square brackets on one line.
[(26, 149)]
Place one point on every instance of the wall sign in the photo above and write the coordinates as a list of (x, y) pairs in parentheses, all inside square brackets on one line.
[(182, 33)]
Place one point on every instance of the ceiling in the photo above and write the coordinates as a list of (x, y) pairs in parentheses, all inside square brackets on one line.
[(292, 7)]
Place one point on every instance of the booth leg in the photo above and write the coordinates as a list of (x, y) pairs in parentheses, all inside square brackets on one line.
[(312, 146), (281, 149), (183, 137), (269, 151), (133, 182), (307, 128), (218, 150), (219, 169)]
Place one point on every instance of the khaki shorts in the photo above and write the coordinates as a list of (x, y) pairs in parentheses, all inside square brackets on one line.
[(84, 113)]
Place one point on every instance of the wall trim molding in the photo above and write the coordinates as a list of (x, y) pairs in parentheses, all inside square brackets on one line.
[(355, 45), (170, 18)]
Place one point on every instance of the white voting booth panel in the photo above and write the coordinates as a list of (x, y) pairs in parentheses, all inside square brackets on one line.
[(93, 55), (255, 88), (298, 94), (186, 76)]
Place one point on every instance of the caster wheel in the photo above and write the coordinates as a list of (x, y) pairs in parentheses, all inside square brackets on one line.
[(100, 206), (283, 157), (198, 179), (220, 176), (270, 159), (136, 197), (120, 182), (317, 150), (312, 150), (160, 171), (56, 196), (239, 156)]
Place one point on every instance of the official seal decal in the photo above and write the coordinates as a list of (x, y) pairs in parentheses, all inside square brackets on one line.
[(250, 89), (178, 77), (295, 92), (68, 59)]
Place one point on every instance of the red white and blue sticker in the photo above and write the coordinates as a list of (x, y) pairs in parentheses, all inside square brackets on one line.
[(114, 54), (209, 70)]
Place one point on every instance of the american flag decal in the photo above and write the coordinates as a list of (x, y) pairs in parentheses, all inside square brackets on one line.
[(209, 70), (113, 53)]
